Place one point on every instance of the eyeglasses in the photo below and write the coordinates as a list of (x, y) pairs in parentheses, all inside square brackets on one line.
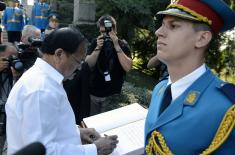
[(79, 62)]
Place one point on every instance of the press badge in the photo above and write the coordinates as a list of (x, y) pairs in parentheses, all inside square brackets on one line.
[(107, 76)]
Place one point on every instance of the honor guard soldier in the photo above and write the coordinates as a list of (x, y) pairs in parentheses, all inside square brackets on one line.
[(193, 112), (53, 23), (13, 21), (40, 13)]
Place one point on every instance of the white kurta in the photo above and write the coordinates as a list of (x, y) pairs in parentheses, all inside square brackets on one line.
[(38, 110)]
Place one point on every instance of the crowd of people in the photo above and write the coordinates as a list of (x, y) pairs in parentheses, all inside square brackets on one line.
[(55, 78)]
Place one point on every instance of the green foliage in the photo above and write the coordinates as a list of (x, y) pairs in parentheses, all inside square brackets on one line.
[(228, 55), (65, 9), (90, 31), (135, 24)]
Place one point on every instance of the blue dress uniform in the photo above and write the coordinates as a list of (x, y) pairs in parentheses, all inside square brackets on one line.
[(13, 22), (190, 122), (53, 24), (40, 13), (203, 116)]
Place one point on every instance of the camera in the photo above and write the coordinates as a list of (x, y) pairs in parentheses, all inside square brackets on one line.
[(107, 53), (35, 42), (108, 43), (27, 54), (107, 26), (15, 62)]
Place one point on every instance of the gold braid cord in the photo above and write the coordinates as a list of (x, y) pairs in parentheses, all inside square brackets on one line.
[(223, 132), (153, 146)]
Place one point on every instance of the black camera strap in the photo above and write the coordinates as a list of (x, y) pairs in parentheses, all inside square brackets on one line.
[(108, 63), (106, 57), (6, 86)]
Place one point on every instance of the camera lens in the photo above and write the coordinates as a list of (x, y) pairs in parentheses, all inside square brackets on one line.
[(18, 65)]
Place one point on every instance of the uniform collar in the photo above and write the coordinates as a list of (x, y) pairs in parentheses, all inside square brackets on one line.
[(188, 98), (178, 87)]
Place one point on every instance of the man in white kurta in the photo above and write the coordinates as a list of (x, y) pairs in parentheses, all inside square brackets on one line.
[(38, 108)]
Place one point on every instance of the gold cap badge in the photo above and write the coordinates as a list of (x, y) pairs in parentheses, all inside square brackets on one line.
[(174, 1)]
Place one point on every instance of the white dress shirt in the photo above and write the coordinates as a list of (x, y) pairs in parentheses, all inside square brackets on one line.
[(38, 110), (178, 87)]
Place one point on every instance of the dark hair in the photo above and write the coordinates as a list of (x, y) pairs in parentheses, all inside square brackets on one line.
[(66, 38), (101, 20)]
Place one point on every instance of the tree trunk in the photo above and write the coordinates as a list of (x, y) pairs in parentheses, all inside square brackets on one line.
[(84, 12)]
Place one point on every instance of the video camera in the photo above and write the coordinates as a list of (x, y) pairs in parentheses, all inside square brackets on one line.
[(27, 55), (34, 43)]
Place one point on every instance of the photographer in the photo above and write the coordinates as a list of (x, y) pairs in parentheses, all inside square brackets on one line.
[(30, 42), (110, 59), (30, 31), (39, 108), (7, 77), (53, 23)]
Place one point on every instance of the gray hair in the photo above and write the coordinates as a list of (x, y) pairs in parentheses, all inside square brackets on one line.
[(29, 29)]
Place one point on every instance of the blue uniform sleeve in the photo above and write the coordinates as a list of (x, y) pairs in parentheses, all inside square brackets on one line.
[(4, 18)]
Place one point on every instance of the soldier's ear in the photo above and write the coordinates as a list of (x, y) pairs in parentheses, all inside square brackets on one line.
[(203, 39)]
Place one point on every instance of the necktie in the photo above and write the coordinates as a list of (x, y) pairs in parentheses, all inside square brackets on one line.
[(167, 99)]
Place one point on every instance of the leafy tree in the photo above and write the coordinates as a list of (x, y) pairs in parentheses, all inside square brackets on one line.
[(135, 24)]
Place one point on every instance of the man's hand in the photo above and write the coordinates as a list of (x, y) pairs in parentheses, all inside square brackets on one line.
[(3, 64), (88, 135), (114, 38), (100, 42), (15, 73), (106, 145)]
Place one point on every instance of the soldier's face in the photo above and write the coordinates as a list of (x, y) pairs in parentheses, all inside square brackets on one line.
[(176, 39), (53, 24)]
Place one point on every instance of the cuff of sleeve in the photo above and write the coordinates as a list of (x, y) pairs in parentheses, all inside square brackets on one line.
[(90, 149)]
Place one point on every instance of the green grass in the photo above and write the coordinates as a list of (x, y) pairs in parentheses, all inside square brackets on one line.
[(140, 79)]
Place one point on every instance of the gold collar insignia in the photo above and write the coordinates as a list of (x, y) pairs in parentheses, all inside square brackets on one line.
[(191, 97)]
